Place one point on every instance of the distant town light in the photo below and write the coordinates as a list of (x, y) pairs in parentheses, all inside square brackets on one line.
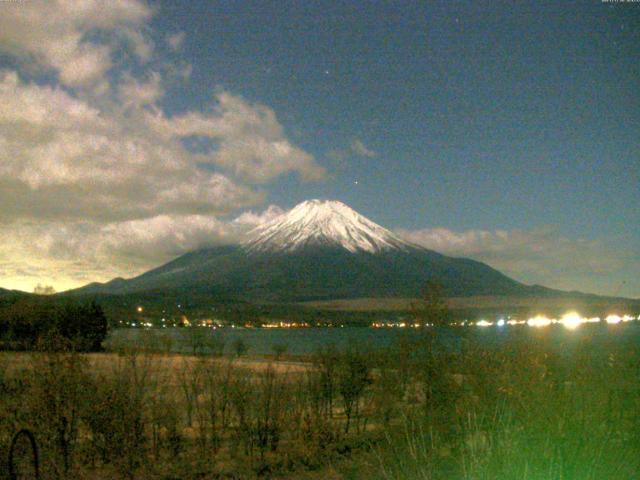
[(140, 309), (571, 320), (500, 322), (613, 319), (483, 323), (539, 321)]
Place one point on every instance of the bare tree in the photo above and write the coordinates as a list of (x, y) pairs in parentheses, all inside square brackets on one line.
[(432, 308)]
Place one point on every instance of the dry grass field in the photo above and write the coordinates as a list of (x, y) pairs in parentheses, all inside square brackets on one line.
[(533, 409)]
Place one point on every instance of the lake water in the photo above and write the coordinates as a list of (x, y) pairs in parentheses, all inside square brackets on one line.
[(300, 341)]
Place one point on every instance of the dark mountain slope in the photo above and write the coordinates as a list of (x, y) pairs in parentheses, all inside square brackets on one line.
[(315, 273), (318, 250)]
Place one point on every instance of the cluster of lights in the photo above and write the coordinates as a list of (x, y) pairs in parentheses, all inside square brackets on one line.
[(398, 325), (208, 322), (571, 320), (285, 325), (141, 324), (613, 319)]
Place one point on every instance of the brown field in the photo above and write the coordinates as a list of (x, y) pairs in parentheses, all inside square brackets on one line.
[(529, 409), (227, 415), (160, 362)]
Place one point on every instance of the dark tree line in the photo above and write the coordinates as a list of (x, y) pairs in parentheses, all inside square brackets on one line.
[(27, 322)]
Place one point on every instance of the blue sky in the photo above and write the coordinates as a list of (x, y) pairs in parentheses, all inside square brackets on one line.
[(508, 133), (474, 110)]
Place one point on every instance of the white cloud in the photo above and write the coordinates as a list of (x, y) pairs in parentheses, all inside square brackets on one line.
[(540, 256), (56, 34), (92, 190), (361, 149), (356, 148), (184, 72), (176, 40), (248, 220), (142, 45), (96, 179), (138, 243), (83, 251), (133, 92), (250, 141), (62, 158)]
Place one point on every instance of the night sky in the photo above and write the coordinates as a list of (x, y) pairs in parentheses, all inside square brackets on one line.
[(132, 132)]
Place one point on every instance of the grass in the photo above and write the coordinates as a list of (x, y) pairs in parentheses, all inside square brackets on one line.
[(535, 414), (526, 409)]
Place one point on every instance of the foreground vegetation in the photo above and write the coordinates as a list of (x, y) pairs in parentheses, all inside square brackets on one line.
[(528, 409), (26, 321)]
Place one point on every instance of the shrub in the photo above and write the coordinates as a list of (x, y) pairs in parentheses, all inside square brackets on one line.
[(240, 347), (26, 321)]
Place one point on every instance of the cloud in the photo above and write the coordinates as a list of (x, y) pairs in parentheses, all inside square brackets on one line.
[(356, 148), (136, 93), (541, 256), (84, 251), (62, 158), (139, 243), (250, 142), (175, 41), (142, 45), (249, 220), (184, 72), (360, 149), (96, 178), (61, 34)]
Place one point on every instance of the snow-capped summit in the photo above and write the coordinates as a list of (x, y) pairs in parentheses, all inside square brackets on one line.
[(322, 222)]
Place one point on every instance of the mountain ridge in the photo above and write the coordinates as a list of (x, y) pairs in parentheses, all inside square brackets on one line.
[(318, 250)]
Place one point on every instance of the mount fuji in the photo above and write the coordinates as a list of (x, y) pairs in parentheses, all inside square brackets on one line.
[(324, 224), (318, 250)]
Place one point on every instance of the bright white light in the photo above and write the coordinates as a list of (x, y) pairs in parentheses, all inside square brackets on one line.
[(539, 321), (627, 318), (500, 322), (571, 320), (483, 323), (613, 319)]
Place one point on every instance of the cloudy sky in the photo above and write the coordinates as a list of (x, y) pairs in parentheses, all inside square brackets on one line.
[(133, 131)]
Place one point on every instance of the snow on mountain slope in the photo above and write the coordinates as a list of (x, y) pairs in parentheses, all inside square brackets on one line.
[(323, 222)]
